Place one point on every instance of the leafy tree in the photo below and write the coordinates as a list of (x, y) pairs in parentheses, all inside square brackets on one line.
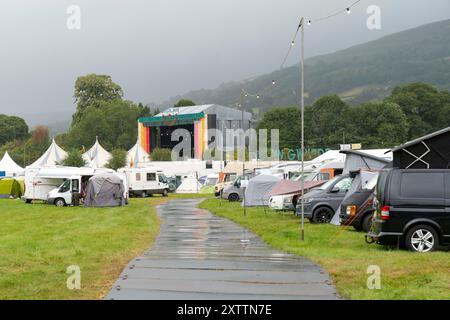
[(184, 103), (74, 159), (377, 125), (328, 121), (114, 122), (12, 128), (144, 111), (287, 121), (93, 90), (423, 106), (25, 152), (118, 160), (161, 154)]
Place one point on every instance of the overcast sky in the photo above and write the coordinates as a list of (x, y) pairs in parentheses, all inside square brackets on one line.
[(159, 48)]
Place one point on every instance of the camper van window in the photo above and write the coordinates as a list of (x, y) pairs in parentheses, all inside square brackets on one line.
[(75, 186), (162, 178), (138, 176), (65, 186), (324, 176), (151, 176)]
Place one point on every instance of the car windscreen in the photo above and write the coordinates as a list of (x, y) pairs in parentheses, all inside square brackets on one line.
[(327, 184)]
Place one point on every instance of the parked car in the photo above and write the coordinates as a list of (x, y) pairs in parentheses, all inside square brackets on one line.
[(319, 174), (226, 180), (357, 206), (412, 208), (233, 191), (321, 203)]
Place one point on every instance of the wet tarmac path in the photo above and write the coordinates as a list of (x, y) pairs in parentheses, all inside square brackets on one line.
[(200, 256)]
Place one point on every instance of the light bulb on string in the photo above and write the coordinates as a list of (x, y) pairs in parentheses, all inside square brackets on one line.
[(309, 22), (257, 96), (292, 43), (273, 82), (348, 11)]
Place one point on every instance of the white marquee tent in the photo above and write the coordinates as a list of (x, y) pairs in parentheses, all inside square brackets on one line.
[(51, 158), (9, 167), (137, 156), (96, 156), (189, 184)]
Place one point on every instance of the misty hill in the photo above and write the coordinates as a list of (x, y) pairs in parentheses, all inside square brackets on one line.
[(358, 74)]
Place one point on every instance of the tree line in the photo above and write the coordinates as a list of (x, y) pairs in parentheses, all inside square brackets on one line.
[(410, 111)]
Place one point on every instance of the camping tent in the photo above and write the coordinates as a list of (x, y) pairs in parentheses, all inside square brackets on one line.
[(51, 158), (10, 168), (189, 185), (10, 188), (136, 156), (257, 189), (104, 190), (97, 156)]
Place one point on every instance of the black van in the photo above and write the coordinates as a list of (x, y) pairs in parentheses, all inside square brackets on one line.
[(412, 208), (357, 210)]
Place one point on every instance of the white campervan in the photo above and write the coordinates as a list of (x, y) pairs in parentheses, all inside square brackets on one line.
[(39, 182), (145, 181)]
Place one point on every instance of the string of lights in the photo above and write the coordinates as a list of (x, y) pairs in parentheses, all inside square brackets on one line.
[(309, 21)]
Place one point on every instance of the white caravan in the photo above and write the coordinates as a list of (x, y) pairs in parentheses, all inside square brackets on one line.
[(40, 181), (145, 181)]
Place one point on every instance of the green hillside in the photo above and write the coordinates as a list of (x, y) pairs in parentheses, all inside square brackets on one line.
[(358, 74)]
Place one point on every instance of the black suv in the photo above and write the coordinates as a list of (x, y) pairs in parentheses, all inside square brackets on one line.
[(412, 208)]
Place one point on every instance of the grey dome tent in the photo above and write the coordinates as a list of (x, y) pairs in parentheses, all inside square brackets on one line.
[(104, 190), (256, 194)]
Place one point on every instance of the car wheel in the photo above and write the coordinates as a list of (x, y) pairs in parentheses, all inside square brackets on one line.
[(367, 222), (144, 194), (165, 193), (422, 238), (233, 197), (322, 215), (60, 202)]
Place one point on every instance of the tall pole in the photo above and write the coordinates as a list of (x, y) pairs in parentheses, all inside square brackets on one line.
[(302, 111), (243, 142)]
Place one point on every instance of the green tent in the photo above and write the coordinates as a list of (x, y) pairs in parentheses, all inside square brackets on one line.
[(10, 188)]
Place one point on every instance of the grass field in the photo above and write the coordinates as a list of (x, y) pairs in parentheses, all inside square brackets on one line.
[(38, 242), (346, 256)]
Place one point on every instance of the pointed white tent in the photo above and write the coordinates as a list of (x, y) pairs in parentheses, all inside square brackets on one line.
[(136, 156), (96, 156), (51, 158), (10, 168)]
